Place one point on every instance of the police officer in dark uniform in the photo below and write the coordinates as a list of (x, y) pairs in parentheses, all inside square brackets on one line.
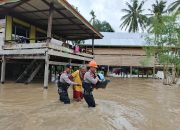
[(64, 83), (90, 80)]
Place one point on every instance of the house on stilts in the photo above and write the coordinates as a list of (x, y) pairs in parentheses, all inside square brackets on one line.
[(124, 54), (34, 36)]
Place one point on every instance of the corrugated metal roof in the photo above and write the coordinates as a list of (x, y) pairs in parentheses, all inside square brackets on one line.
[(119, 39)]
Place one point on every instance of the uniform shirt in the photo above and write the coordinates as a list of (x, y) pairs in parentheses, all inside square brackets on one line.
[(77, 79), (89, 77), (64, 78)]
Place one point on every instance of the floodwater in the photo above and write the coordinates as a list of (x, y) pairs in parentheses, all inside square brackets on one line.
[(126, 104)]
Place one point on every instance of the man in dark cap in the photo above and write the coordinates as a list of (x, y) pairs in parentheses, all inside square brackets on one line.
[(64, 83)]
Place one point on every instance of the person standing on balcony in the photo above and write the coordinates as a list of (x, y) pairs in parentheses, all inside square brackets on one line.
[(64, 83), (78, 78)]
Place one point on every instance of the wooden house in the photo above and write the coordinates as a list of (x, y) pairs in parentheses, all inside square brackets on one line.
[(32, 34), (118, 50)]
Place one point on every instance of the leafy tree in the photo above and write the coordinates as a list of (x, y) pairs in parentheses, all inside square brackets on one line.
[(164, 43)]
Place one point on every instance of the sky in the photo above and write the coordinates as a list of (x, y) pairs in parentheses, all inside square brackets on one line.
[(109, 10)]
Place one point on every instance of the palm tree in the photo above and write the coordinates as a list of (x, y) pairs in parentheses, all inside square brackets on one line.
[(157, 11), (159, 8), (175, 6), (92, 21), (134, 19)]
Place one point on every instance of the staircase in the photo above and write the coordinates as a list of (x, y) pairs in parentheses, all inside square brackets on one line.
[(30, 72)]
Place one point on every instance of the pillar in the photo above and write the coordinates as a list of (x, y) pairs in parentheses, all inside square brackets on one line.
[(93, 45), (8, 31), (32, 34), (50, 72), (50, 19), (3, 69), (154, 71), (131, 71), (46, 71), (55, 73), (70, 60), (108, 70), (84, 62)]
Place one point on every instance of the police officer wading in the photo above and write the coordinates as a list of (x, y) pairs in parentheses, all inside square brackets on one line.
[(90, 80), (63, 85)]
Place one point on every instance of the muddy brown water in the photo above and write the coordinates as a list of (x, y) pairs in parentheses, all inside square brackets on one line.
[(126, 104)]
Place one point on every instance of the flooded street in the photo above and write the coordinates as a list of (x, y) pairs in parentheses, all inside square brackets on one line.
[(127, 104)]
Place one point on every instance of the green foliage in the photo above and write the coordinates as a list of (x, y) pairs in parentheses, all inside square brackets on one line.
[(134, 19), (146, 61), (77, 42), (158, 8), (165, 40), (174, 6), (103, 26), (157, 11)]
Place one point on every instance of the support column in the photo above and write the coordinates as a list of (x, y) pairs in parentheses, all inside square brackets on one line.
[(154, 67), (46, 71), (131, 71), (93, 45), (85, 49), (3, 69), (50, 20), (70, 60), (55, 69), (108, 69), (154, 71), (84, 62), (50, 72)]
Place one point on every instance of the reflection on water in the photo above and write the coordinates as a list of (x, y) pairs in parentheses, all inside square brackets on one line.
[(127, 104)]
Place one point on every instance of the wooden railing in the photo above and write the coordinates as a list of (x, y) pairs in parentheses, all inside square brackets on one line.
[(44, 45)]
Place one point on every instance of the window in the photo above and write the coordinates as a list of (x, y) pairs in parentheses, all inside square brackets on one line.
[(20, 33)]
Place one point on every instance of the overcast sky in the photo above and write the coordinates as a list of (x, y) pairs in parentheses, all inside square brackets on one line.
[(109, 10)]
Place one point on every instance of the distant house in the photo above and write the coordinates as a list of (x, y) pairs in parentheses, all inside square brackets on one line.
[(123, 51)]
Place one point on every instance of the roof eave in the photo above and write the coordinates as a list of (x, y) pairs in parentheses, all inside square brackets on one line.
[(80, 17)]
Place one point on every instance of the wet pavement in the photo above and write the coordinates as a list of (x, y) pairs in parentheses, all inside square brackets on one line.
[(126, 104)]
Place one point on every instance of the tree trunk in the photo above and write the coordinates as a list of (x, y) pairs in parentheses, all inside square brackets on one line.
[(167, 77), (174, 78)]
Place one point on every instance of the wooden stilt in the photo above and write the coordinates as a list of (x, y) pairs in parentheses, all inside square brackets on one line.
[(131, 71), (50, 73), (108, 69), (93, 46), (49, 35), (55, 73), (46, 71), (3, 69), (70, 60), (154, 71), (84, 62), (50, 20)]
